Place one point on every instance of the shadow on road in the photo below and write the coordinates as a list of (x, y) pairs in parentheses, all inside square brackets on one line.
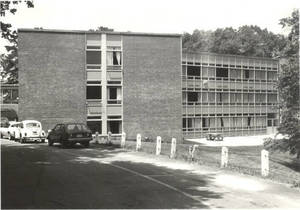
[(81, 177)]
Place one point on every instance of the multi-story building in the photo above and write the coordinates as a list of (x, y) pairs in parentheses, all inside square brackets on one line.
[(142, 83), (233, 95), (112, 81)]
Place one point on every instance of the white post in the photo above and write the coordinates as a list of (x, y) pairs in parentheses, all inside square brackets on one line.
[(123, 139), (109, 137), (224, 158), (138, 141), (264, 163), (192, 150), (173, 148), (97, 140), (158, 145)]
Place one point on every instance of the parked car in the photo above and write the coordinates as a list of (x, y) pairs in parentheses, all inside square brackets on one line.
[(69, 134), (4, 127), (31, 130), (13, 131)]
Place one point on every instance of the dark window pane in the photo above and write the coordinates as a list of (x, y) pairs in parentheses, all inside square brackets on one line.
[(192, 97), (112, 93), (93, 92), (193, 70), (222, 72), (93, 57), (95, 126)]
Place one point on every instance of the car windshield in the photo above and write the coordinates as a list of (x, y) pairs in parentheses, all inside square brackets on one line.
[(32, 125), (76, 127)]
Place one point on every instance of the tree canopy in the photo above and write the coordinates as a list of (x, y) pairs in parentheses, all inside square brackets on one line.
[(246, 40), (289, 87), (9, 61)]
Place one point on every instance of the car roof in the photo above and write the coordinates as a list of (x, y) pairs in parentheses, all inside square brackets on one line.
[(13, 123), (30, 121)]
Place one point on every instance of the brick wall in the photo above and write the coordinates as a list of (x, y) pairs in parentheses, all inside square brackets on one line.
[(152, 86), (52, 77)]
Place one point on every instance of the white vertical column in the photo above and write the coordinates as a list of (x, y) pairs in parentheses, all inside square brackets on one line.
[(264, 163), (158, 145), (224, 158), (138, 142), (173, 148), (123, 139), (104, 84)]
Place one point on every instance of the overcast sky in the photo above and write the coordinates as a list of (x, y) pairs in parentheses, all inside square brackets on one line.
[(157, 16)]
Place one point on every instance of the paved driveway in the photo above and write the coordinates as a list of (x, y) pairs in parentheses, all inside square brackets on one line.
[(38, 176)]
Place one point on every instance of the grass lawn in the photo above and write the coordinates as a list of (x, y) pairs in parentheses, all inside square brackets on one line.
[(246, 159)]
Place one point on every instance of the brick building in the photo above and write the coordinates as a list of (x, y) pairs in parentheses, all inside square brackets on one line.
[(141, 83), (111, 81)]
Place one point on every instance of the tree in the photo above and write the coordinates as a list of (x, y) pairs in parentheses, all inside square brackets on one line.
[(9, 61), (101, 28), (288, 86), (246, 40)]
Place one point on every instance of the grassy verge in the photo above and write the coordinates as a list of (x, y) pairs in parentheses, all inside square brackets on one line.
[(246, 159)]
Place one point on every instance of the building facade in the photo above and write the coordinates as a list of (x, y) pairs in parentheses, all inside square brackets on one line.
[(142, 83), (233, 95), (9, 97), (111, 81)]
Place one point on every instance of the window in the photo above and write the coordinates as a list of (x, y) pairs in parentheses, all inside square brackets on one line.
[(272, 98), (95, 126), (187, 123), (114, 127), (193, 71), (272, 75), (113, 58), (93, 92), (222, 72), (93, 57), (114, 95), (192, 96)]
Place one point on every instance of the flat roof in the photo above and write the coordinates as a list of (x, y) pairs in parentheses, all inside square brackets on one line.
[(96, 32), (228, 55)]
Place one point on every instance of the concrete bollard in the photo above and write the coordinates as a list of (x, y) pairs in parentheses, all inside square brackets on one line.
[(224, 157), (192, 150), (264, 163), (97, 139), (158, 145), (173, 148), (138, 142), (123, 139), (109, 137)]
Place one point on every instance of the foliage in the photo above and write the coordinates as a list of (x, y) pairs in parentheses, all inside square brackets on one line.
[(288, 86), (246, 40), (10, 114), (9, 61), (101, 28)]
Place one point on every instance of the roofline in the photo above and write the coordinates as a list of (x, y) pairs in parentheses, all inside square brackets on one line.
[(232, 55), (97, 32)]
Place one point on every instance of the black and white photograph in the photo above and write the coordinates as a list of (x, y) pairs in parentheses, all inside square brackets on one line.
[(150, 104)]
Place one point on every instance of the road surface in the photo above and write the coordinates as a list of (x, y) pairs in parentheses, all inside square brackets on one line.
[(35, 175)]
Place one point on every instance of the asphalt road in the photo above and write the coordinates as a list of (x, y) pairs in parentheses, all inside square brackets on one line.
[(104, 177)]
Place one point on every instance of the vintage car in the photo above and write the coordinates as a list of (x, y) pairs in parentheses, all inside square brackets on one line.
[(14, 130), (31, 130), (69, 134), (9, 130)]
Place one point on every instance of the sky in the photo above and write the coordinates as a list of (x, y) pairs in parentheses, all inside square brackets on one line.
[(155, 16)]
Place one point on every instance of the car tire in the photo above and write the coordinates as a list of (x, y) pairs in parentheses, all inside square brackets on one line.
[(22, 140), (64, 144), (50, 142), (86, 144), (43, 141)]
